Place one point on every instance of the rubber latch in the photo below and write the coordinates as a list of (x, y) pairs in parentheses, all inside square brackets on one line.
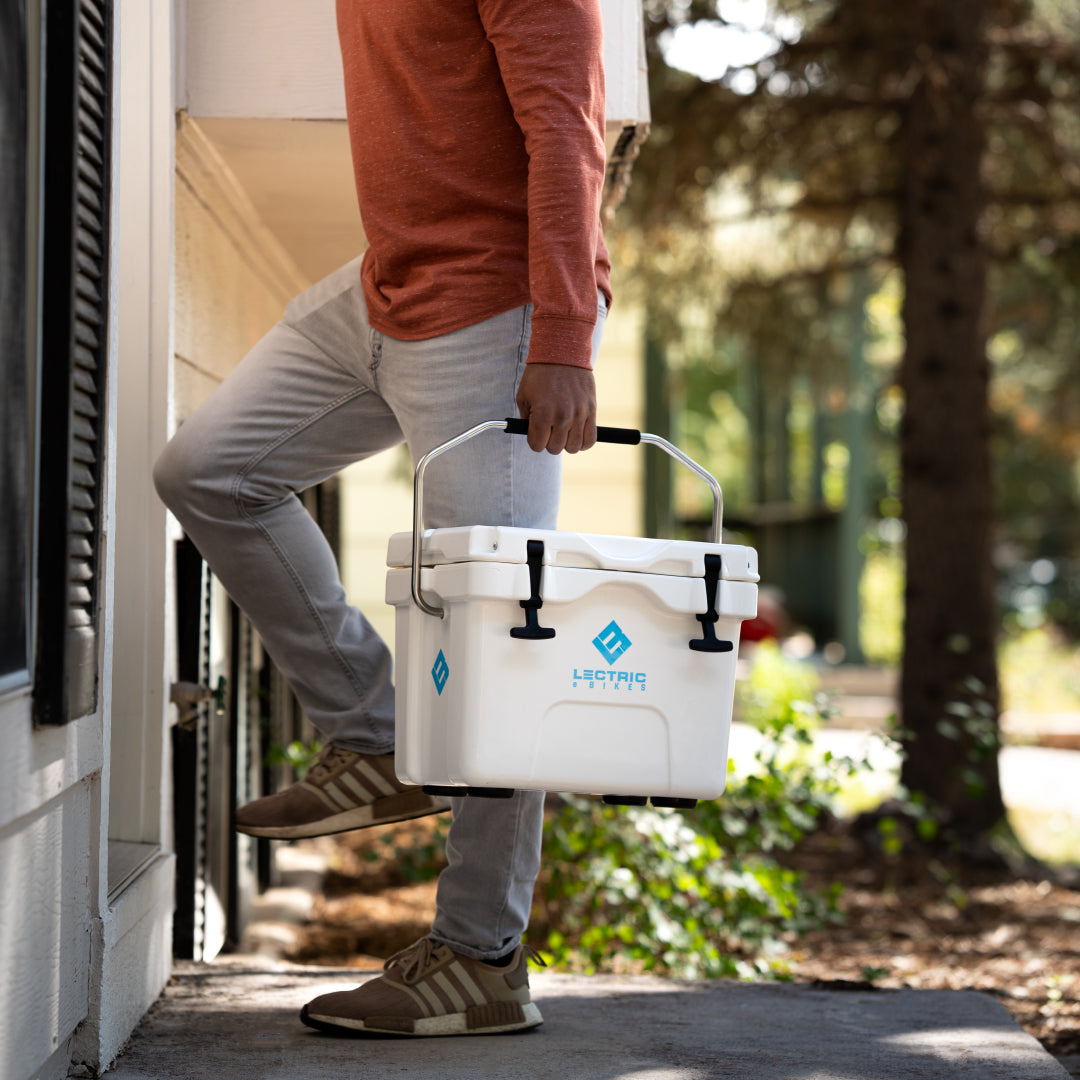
[(532, 630), (709, 642)]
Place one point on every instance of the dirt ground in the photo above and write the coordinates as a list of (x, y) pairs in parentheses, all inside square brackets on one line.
[(910, 922)]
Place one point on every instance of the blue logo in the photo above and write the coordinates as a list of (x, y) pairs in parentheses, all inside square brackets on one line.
[(440, 672), (611, 642)]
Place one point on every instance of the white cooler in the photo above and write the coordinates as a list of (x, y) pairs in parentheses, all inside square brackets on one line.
[(562, 661)]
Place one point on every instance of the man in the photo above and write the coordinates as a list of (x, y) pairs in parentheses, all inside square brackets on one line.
[(477, 139)]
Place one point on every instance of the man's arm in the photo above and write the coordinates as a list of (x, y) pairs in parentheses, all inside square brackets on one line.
[(550, 56)]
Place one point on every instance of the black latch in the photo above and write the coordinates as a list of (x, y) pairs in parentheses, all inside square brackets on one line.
[(710, 642), (534, 554)]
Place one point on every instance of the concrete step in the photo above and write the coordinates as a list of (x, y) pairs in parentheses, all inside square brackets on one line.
[(237, 1019)]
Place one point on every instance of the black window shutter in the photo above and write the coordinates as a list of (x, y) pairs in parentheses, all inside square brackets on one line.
[(78, 92)]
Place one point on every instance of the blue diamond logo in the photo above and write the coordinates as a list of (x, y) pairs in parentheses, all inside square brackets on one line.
[(611, 642), (440, 672)]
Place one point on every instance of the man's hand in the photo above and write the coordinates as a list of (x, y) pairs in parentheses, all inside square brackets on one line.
[(559, 401)]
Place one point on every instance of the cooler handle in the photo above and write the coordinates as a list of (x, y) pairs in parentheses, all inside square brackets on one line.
[(625, 436)]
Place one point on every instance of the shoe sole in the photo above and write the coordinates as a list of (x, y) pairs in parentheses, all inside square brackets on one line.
[(362, 817), (426, 1027)]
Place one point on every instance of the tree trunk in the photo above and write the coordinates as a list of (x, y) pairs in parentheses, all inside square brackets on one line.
[(950, 627)]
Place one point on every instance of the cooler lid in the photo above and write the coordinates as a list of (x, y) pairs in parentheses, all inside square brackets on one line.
[(498, 543)]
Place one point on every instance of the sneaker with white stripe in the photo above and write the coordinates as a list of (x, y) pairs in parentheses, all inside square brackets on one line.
[(342, 790), (428, 989)]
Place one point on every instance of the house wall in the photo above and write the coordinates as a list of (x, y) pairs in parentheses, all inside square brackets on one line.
[(50, 788), (86, 952)]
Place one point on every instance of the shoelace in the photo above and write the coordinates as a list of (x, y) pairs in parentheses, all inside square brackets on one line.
[(533, 955), (329, 758), (415, 959)]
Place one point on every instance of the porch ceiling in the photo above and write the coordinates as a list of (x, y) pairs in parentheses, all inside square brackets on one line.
[(298, 176)]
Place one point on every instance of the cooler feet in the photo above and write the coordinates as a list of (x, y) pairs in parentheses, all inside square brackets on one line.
[(478, 792), (656, 800), (611, 800)]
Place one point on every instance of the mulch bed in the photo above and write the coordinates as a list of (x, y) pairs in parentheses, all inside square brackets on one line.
[(910, 921)]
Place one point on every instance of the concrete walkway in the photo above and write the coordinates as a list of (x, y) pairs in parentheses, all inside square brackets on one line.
[(237, 1020)]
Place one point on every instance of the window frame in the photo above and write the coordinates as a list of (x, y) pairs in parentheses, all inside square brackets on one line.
[(19, 116)]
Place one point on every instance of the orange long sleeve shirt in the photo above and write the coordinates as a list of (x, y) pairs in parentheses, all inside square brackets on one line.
[(477, 133)]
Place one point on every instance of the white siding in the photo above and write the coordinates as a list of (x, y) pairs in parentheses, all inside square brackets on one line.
[(49, 860), (271, 58)]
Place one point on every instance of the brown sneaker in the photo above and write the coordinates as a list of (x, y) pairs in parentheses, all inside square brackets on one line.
[(342, 790), (430, 990)]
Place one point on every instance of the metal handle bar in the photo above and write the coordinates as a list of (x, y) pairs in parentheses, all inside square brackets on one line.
[(625, 436)]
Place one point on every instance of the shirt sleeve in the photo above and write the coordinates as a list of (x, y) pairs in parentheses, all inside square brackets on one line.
[(550, 57)]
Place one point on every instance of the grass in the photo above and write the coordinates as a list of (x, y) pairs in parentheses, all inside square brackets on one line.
[(1039, 673)]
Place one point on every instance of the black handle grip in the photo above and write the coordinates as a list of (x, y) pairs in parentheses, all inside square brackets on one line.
[(624, 435)]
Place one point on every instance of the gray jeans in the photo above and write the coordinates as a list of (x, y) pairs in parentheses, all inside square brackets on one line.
[(324, 389)]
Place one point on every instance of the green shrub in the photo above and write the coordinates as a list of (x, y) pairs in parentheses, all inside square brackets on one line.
[(700, 892), (779, 694), (299, 756)]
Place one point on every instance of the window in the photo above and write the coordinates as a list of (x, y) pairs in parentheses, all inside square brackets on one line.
[(15, 297)]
